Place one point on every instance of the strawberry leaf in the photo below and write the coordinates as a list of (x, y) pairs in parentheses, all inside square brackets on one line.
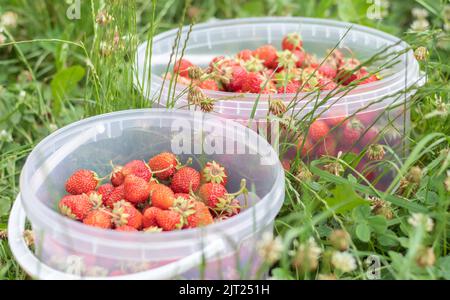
[(344, 199)]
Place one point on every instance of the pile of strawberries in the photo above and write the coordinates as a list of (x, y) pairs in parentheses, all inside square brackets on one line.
[(161, 195), (269, 71)]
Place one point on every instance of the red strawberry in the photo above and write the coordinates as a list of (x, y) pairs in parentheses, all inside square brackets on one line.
[(182, 67), (124, 213), (335, 121), (327, 71), (327, 146), (326, 84), (238, 75), (99, 218), (353, 129), (162, 196), (136, 189), (318, 130), (268, 54), (125, 228), (233, 209), (169, 220), (252, 83), (209, 84), (138, 168), (183, 195), (185, 179), (117, 176), (369, 137), (200, 217), (292, 41), (245, 54), (291, 88), (349, 71), (211, 193), (300, 57), (149, 217), (214, 172), (105, 191), (163, 165), (82, 181), (286, 163), (371, 78), (368, 118), (305, 147), (116, 195), (75, 206)]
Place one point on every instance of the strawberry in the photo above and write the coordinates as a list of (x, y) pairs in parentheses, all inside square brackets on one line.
[(326, 84), (162, 196), (327, 71), (125, 228), (245, 54), (370, 137), (136, 189), (99, 218), (138, 168), (117, 176), (182, 67), (82, 181), (233, 209), (268, 54), (310, 61), (368, 118), (149, 216), (163, 165), (211, 193), (124, 213), (200, 217), (75, 206), (370, 79), (305, 146), (326, 146), (252, 83), (318, 130), (335, 121), (169, 220), (292, 41), (238, 75), (286, 163), (183, 195), (116, 195), (96, 198), (214, 172), (292, 87), (105, 191), (349, 71), (209, 84), (353, 129), (185, 179), (301, 56)]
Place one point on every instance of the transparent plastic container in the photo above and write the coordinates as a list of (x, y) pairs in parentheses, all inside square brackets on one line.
[(68, 249), (382, 105)]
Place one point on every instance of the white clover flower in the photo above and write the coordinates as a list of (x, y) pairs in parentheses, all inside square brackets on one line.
[(5, 136), (9, 19), (343, 261), (420, 25), (270, 248), (417, 219), (419, 13), (307, 255)]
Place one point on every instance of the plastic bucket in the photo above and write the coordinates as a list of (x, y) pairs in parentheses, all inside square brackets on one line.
[(65, 249)]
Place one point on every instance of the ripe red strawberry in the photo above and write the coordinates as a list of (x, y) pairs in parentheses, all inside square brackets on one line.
[(183, 195), (327, 146), (214, 172), (99, 218), (327, 71), (200, 217), (163, 165), (371, 78), (182, 67), (326, 84), (286, 163), (300, 54), (124, 213), (162, 196), (252, 83), (169, 220), (368, 118), (126, 228), (353, 129), (149, 217), (318, 130), (209, 84), (136, 189), (349, 71), (292, 41), (116, 195), (105, 191), (245, 54), (238, 75), (138, 168), (82, 181), (305, 147), (370, 137), (185, 179), (291, 88), (117, 176), (75, 206), (268, 54), (211, 193), (335, 121)]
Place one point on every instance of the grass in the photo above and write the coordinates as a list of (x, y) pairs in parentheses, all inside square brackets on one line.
[(56, 71)]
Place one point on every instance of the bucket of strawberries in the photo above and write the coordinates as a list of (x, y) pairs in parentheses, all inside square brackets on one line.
[(331, 87), (147, 194)]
